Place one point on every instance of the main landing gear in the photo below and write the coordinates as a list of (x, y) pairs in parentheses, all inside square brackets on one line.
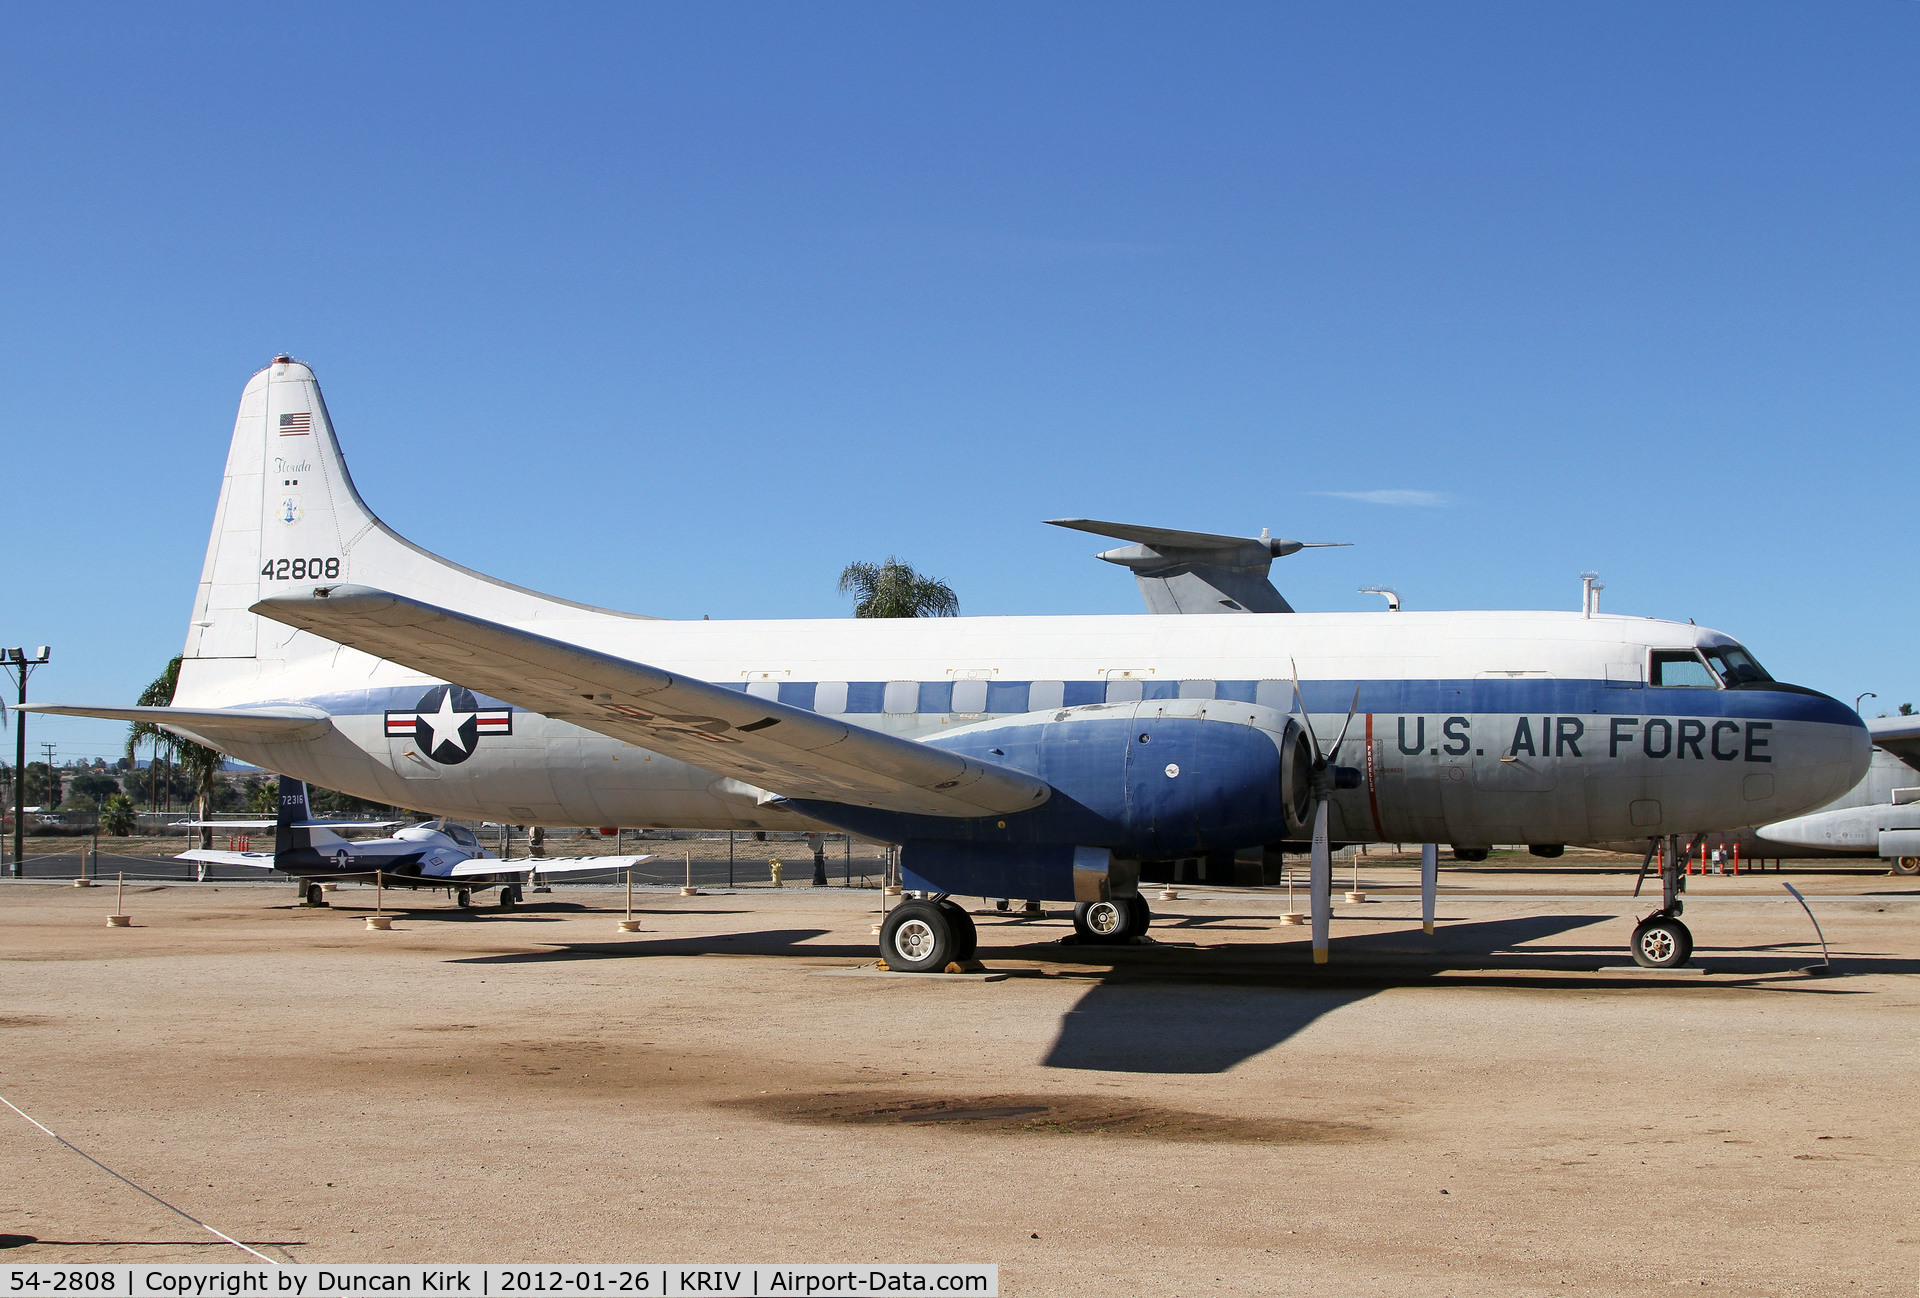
[(509, 896), (1661, 941), (314, 894), (1112, 922), (462, 898), (925, 936)]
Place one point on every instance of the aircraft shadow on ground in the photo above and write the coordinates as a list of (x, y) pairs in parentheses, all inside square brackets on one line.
[(1136, 1022), (778, 941)]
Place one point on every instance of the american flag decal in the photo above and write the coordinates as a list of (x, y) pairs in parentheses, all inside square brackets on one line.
[(487, 721), (296, 425)]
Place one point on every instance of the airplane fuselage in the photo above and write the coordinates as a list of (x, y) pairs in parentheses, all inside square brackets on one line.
[(1470, 728)]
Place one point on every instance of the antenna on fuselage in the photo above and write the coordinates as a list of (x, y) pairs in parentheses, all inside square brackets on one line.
[(1393, 596), (1590, 588)]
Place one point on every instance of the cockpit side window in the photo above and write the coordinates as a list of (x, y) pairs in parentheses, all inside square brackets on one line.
[(462, 835), (1735, 665), (1683, 668)]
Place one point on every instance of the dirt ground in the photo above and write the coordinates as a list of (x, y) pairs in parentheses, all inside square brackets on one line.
[(1485, 1111)]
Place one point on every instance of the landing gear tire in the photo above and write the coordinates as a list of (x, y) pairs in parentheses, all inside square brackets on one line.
[(315, 895), (966, 937), (509, 896), (1140, 916), (918, 937), (462, 898), (1906, 865), (1661, 942), (1103, 922)]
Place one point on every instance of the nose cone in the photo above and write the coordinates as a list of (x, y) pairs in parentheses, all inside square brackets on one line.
[(1823, 749)]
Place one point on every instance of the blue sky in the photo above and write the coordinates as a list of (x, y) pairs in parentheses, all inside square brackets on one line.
[(680, 309)]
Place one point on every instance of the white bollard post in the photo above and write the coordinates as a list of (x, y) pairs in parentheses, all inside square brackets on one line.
[(1429, 882)]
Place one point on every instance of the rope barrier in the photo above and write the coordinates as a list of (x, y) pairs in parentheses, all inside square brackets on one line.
[(123, 1180)]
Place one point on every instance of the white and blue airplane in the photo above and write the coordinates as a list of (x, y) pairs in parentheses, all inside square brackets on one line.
[(1041, 757), (433, 854)]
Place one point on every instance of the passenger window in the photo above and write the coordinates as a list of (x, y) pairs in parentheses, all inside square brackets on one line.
[(1682, 668)]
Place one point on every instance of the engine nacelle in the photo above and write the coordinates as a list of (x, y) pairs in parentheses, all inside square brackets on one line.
[(1147, 780)]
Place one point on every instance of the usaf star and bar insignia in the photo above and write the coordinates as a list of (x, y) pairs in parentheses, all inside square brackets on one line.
[(448, 723)]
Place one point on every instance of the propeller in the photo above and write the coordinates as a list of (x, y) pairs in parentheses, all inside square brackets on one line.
[(1326, 778)]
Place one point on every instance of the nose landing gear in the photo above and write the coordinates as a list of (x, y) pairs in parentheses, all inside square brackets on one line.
[(1661, 940)]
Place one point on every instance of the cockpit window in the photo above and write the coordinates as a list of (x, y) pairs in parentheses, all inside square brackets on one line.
[(1683, 668), (462, 835), (1735, 665)]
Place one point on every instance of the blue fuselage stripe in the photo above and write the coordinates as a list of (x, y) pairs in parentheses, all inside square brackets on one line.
[(1535, 695)]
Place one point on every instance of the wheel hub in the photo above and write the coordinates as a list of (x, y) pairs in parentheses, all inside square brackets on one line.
[(914, 940)]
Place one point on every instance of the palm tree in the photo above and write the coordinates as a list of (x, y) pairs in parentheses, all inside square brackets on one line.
[(198, 762), (893, 589)]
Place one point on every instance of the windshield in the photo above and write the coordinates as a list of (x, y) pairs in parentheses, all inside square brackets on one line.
[(1735, 665), (462, 835)]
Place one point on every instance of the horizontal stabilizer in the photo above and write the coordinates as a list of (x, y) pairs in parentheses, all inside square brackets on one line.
[(760, 742), (270, 724), (549, 865), (259, 860), (219, 824), (1167, 538), (345, 824)]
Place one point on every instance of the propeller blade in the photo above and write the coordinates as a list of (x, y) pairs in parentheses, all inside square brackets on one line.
[(1320, 885), (1300, 706), (1351, 709)]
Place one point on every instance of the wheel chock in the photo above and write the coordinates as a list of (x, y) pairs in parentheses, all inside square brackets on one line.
[(883, 966)]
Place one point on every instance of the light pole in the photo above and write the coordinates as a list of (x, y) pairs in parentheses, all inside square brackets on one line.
[(1868, 695), (20, 667)]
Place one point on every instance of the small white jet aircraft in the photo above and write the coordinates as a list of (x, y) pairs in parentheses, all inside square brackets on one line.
[(431, 855), (1042, 757)]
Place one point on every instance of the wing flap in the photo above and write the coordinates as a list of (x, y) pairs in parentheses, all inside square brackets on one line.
[(763, 743)]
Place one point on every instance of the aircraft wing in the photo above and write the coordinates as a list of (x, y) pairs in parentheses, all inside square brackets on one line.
[(1899, 736), (342, 824), (279, 723), (259, 860), (769, 745), (548, 865), (219, 824)]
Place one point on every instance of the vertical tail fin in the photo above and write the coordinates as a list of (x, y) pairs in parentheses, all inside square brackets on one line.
[(289, 519), (293, 811)]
